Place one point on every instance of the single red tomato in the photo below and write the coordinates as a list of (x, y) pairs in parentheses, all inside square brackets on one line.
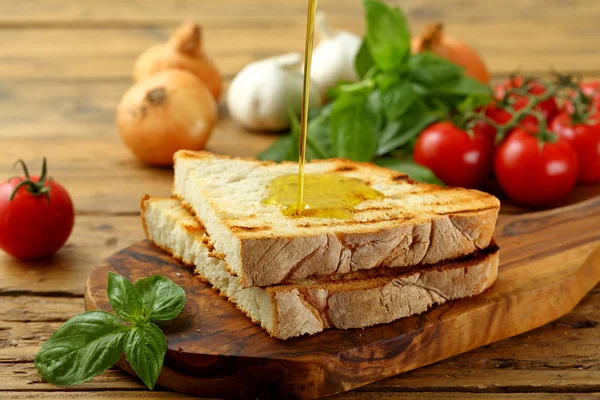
[(36, 216), (585, 139), (532, 173), (457, 158), (548, 107)]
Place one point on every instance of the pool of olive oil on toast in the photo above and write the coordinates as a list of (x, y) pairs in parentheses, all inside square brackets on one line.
[(315, 195)]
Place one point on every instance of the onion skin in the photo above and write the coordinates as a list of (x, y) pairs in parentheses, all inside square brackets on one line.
[(182, 51), (452, 49), (170, 111)]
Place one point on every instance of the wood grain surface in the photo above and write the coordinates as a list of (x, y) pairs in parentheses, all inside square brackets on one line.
[(64, 65), (214, 350)]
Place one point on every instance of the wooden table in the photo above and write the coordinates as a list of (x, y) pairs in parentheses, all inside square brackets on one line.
[(63, 66)]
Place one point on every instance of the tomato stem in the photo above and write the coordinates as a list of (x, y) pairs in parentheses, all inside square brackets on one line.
[(516, 115), (38, 188), (582, 110), (23, 165)]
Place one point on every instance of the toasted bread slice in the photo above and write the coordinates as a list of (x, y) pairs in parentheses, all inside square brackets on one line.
[(285, 311), (414, 224)]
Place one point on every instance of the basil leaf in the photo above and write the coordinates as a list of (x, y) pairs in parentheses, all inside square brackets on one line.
[(279, 150), (399, 132), (163, 299), (385, 80), (397, 99), (431, 70), (354, 125), (386, 35), (364, 60), (145, 348), (318, 140), (466, 86), (472, 102), (125, 298), (413, 170), (374, 103), (83, 347)]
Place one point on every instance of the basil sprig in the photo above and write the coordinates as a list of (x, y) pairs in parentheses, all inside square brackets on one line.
[(90, 343), (379, 118)]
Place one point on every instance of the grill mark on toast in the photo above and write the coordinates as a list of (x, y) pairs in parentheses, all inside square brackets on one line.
[(192, 228), (374, 208), (199, 155), (399, 177), (241, 228), (208, 243), (345, 168), (467, 211), (229, 270), (418, 191), (217, 254), (400, 217), (457, 205)]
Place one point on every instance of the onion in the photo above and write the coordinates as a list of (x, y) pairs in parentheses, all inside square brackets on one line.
[(170, 111), (452, 49), (182, 51)]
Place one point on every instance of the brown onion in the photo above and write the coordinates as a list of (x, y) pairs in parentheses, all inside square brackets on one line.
[(182, 51), (170, 111), (452, 49)]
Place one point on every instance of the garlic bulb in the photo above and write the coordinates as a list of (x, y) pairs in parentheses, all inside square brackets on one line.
[(261, 95), (333, 58)]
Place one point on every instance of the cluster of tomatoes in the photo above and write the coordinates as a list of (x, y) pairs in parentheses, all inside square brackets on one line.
[(536, 139)]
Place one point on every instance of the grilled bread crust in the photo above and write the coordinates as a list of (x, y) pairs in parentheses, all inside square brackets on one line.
[(285, 311), (415, 224)]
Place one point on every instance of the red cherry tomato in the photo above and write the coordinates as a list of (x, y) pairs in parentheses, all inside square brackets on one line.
[(535, 175), (548, 107), (585, 139), (499, 115), (454, 156), (37, 220), (496, 114), (591, 89)]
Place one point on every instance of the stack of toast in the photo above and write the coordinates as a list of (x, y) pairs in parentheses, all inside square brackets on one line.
[(418, 246)]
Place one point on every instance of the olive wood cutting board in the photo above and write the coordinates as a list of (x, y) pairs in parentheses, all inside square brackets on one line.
[(549, 261)]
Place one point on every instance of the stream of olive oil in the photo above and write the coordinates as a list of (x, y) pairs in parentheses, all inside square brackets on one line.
[(308, 50), (315, 195)]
